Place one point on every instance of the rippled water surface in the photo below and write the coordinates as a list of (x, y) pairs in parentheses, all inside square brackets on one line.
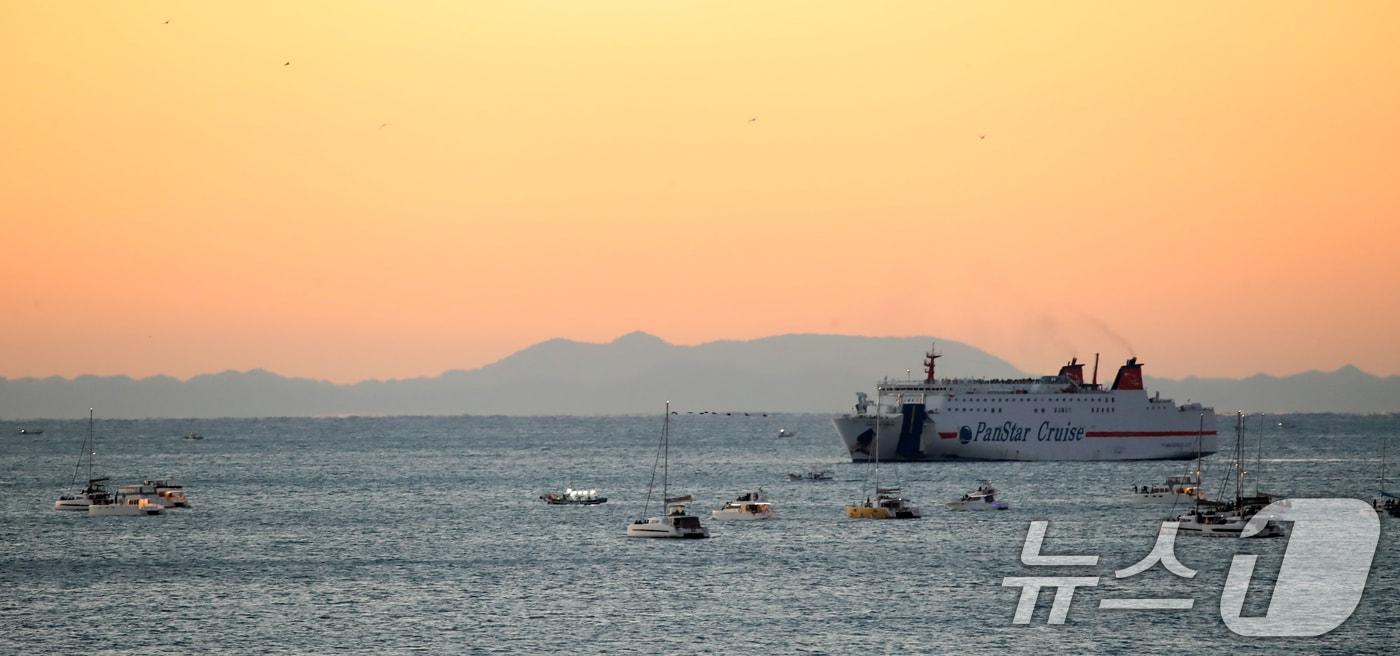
[(378, 535)]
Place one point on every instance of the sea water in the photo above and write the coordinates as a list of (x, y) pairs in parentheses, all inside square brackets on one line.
[(400, 534)]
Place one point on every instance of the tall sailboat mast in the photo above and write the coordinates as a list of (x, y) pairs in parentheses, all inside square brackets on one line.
[(666, 457)]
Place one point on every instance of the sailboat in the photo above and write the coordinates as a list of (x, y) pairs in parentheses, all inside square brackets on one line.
[(96, 487), (1229, 518), (1388, 502), (675, 521), (886, 504)]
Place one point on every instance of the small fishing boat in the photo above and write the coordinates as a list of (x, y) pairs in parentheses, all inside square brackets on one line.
[(811, 475), (1185, 488), (783, 432), (572, 497), (193, 436), (676, 522), (749, 506), (983, 498), (31, 431)]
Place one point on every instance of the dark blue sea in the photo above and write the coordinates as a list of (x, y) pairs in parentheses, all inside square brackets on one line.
[(425, 534)]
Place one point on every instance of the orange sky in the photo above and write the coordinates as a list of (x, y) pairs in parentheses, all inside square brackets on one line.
[(1215, 184)]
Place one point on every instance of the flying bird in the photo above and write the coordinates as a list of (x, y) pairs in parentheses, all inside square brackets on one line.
[(753, 119), (167, 22), (981, 136), (287, 64), (383, 125)]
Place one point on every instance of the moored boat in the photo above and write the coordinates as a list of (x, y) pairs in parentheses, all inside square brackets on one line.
[(121, 505), (572, 497), (1231, 518), (676, 521), (887, 504), (1185, 488), (96, 487), (983, 498), (749, 506)]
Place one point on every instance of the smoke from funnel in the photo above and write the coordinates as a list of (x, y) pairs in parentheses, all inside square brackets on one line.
[(1103, 327)]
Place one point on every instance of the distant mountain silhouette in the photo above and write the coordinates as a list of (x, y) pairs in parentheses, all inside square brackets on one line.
[(633, 374), (1347, 389)]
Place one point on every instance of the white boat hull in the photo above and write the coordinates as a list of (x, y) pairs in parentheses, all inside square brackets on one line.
[(742, 516), (1015, 428), (977, 506), (78, 505), (1165, 498), (1231, 526), (124, 509), (665, 528)]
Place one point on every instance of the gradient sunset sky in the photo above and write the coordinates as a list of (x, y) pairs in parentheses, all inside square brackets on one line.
[(349, 190)]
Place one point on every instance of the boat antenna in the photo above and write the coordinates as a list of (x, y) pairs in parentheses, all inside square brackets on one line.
[(1096, 369)]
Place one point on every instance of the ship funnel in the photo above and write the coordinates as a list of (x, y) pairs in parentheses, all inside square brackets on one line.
[(1129, 376), (1073, 371)]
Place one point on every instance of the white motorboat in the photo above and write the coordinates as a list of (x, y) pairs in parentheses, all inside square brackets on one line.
[(676, 522), (169, 493), (160, 491), (121, 505), (749, 506), (983, 498), (783, 432), (811, 475)]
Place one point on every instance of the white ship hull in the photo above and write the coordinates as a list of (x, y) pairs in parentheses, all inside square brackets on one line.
[(976, 421)]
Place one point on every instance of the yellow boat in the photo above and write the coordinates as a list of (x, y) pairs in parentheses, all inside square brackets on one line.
[(885, 506)]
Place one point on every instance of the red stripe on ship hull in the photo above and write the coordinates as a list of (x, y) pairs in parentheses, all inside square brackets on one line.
[(1146, 433), (947, 436)]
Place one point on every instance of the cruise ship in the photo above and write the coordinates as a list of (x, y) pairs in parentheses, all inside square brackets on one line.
[(1058, 417)]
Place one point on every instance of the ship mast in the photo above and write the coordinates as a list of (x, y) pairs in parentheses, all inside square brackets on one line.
[(665, 458), (1239, 458), (929, 362)]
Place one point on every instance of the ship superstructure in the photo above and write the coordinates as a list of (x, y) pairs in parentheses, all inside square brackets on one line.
[(1058, 417)]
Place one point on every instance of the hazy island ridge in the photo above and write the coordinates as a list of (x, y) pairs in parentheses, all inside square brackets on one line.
[(808, 373)]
